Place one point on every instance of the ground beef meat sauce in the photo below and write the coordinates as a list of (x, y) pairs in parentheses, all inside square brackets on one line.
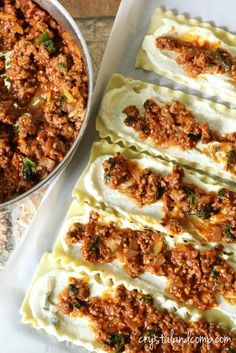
[(195, 278), (128, 321), (198, 278), (138, 250), (185, 206), (199, 57), (43, 95), (173, 125)]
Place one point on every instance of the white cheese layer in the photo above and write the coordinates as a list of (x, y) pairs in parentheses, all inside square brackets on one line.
[(95, 185), (156, 283), (164, 61), (43, 298), (43, 305), (147, 280), (211, 157), (148, 215), (40, 309)]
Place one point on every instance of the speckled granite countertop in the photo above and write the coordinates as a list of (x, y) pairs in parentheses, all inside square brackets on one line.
[(95, 19)]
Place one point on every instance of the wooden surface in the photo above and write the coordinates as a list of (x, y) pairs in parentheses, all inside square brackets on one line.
[(91, 8), (95, 19)]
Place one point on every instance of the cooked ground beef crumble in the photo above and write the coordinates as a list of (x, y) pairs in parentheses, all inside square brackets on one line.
[(168, 125), (128, 321), (139, 250), (199, 58), (43, 95), (195, 278), (198, 278), (171, 125), (185, 206)]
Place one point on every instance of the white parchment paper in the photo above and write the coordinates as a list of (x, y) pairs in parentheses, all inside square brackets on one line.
[(131, 25)]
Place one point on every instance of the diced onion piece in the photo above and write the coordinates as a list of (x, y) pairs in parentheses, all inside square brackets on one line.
[(157, 247), (112, 244), (68, 95), (6, 16), (37, 101), (230, 297), (199, 225), (129, 253), (49, 96), (160, 260), (76, 110), (18, 28), (82, 114), (47, 163)]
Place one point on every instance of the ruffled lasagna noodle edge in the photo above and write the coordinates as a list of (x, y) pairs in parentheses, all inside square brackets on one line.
[(118, 81), (78, 209), (103, 148), (142, 60), (49, 263), (110, 282)]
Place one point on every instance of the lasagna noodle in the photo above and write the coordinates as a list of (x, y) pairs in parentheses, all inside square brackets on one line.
[(40, 305), (91, 188), (50, 278), (79, 213), (211, 157), (164, 63)]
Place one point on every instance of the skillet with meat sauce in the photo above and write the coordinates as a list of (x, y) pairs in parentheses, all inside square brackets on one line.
[(43, 95)]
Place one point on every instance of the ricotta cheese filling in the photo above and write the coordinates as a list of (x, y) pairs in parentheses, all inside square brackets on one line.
[(212, 156), (147, 255), (164, 61), (43, 304), (205, 221), (96, 319)]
